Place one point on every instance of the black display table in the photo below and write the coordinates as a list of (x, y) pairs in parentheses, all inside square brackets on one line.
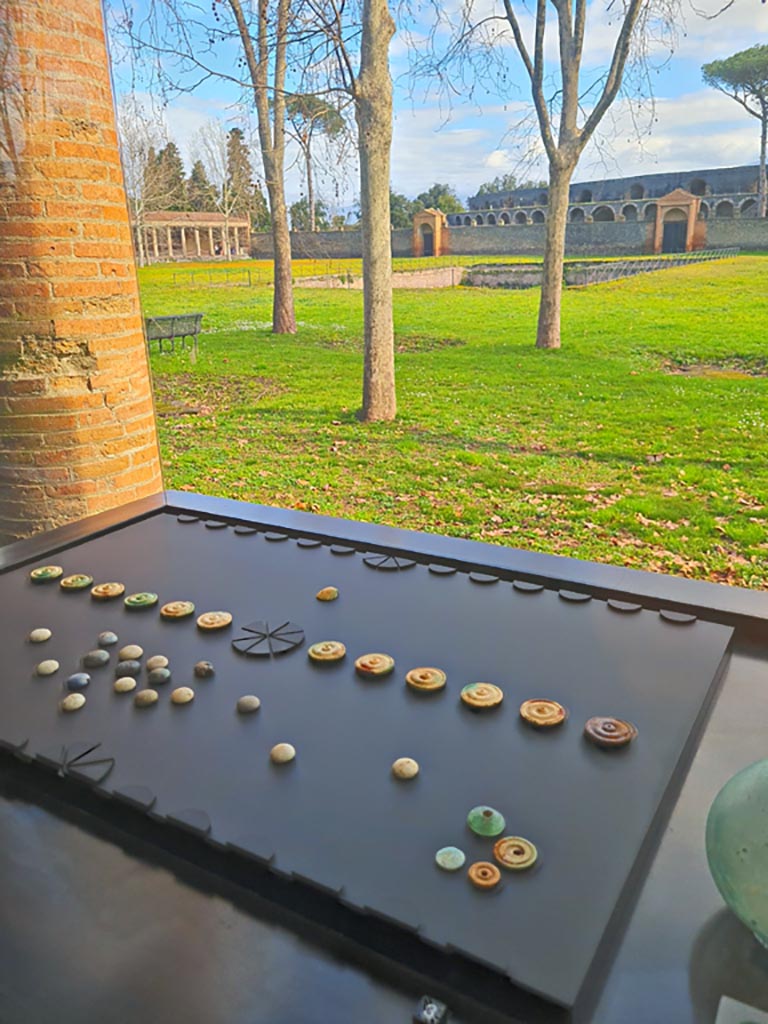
[(214, 886)]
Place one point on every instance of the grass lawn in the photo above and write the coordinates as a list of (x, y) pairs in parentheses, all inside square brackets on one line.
[(642, 442)]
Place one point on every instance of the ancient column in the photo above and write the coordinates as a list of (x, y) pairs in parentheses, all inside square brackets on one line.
[(77, 427), (210, 241), (155, 247), (169, 239), (183, 241), (197, 241)]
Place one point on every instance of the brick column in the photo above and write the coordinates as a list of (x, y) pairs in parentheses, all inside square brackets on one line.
[(77, 427)]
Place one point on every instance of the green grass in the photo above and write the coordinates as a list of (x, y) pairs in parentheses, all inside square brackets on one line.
[(642, 442)]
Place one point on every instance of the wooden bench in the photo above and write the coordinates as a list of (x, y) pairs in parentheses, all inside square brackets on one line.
[(172, 328)]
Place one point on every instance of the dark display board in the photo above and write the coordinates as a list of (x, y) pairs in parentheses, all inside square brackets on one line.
[(335, 818)]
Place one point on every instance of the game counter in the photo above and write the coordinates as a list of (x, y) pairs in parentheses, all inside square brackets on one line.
[(207, 859)]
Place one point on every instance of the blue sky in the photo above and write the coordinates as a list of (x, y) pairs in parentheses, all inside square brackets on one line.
[(475, 140)]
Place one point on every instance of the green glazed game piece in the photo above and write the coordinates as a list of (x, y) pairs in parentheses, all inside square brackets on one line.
[(485, 821)]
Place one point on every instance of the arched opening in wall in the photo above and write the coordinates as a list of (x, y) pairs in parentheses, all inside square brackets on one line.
[(585, 196), (698, 187), (649, 213), (479, 220), (427, 240), (467, 222), (703, 211), (724, 209), (748, 208), (521, 218), (603, 213), (675, 235), (577, 215), (505, 219), (537, 217), (637, 192), (543, 198), (629, 212), (491, 218)]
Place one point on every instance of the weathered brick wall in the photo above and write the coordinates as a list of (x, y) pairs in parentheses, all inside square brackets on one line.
[(747, 234), (77, 429)]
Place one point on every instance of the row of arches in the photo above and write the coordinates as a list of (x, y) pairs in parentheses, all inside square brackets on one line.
[(696, 186), (726, 208)]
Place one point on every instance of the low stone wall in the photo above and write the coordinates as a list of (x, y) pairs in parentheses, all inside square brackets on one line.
[(747, 234), (328, 245), (609, 238), (432, 277)]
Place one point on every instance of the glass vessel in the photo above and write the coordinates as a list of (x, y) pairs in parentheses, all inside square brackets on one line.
[(737, 846)]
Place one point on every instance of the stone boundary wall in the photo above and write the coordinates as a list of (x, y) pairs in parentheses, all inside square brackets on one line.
[(746, 234), (329, 245), (430, 277)]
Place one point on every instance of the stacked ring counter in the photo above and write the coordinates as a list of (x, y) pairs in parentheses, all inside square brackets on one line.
[(609, 732), (79, 581), (479, 696), (374, 664), (426, 680), (144, 599), (177, 609), (484, 875), (542, 713), (106, 591), (327, 650), (46, 573), (214, 620), (515, 853)]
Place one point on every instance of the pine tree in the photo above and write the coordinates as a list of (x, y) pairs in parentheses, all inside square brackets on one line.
[(171, 171), (201, 195)]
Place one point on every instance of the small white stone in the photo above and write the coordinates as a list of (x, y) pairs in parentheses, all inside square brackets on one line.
[(39, 636), (131, 652), (183, 695), (73, 702), (157, 661), (282, 753), (405, 768), (124, 684), (248, 703), (47, 668)]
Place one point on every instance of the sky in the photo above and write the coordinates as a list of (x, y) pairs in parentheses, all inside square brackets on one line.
[(472, 140)]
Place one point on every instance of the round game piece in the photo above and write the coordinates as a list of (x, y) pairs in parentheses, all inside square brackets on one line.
[(106, 591), (485, 821), (47, 668), (374, 664), (45, 573), (77, 582), (145, 698), (484, 875), (282, 753), (247, 704), (73, 702), (131, 652), (327, 650), (177, 609), (609, 732), (542, 713), (450, 858), (125, 684), (95, 659), (481, 695), (182, 694), (405, 768), (107, 638), (204, 669), (39, 636), (515, 853), (78, 681), (144, 599), (264, 640), (157, 661), (127, 668), (426, 680), (214, 620), (327, 594), (158, 676)]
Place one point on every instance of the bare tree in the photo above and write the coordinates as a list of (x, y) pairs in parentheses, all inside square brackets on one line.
[(141, 133), (353, 42), (186, 47), (568, 99)]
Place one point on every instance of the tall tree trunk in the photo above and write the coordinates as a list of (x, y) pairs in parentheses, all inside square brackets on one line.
[(548, 333), (763, 185), (373, 113), (310, 189), (271, 125)]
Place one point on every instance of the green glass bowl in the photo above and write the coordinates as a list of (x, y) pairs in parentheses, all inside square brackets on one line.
[(737, 846)]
